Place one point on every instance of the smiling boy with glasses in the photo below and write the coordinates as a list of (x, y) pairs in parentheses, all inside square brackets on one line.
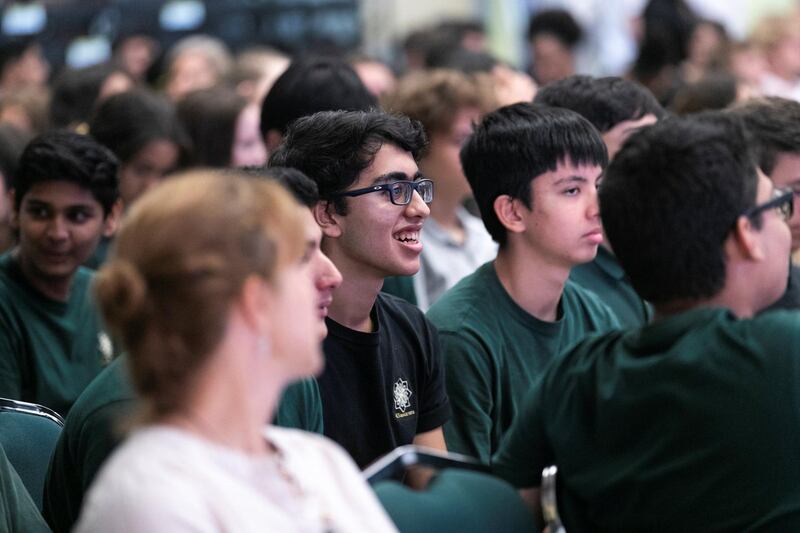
[(382, 386)]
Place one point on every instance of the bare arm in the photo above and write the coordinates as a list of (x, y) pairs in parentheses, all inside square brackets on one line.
[(419, 477)]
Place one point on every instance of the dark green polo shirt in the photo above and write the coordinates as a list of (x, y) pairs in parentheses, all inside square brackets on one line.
[(95, 426), (494, 350), (604, 276), (689, 424), (49, 350)]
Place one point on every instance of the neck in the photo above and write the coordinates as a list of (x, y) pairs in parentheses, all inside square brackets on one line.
[(228, 403), (537, 294), (55, 288), (354, 298)]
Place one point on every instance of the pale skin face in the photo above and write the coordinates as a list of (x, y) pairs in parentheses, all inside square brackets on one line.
[(442, 163), (248, 147), (786, 173), (60, 225), (376, 238), (616, 136), (563, 226), (146, 169), (325, 276)]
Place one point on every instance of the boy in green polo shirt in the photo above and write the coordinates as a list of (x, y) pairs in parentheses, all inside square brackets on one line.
[(65, 198), (534, 172), (617, 108), (691, 423)]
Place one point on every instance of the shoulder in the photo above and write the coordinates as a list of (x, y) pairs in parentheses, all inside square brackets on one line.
[(467, 301), (310, 447), (587, 302), (395, 312)]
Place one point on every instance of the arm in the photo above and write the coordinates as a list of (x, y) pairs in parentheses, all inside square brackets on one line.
[(418, 477)]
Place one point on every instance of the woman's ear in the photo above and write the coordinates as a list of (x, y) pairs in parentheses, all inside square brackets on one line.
[(112, 219), (327, 218)]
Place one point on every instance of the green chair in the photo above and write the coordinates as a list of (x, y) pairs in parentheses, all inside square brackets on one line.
[(28, 434), (458, 499)]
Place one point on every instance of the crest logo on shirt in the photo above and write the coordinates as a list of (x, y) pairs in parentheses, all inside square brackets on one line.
[(402, 399), (105, 347)]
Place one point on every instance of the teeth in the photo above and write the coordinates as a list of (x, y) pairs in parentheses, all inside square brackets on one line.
[(407, 236)]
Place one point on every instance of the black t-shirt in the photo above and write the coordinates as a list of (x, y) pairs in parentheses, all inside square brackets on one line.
[(380, 389)]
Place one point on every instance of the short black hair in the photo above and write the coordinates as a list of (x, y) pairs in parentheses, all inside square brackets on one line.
[(129, 121), (334, 147), (75, 93), (66, 156), (514, 144), (605, 102), (556, 22), (302, 187), (669, 200), (774, 124), (310, 85)]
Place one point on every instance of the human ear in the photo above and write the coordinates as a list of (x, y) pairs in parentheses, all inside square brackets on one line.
[(112, 219), (744, 242), (253, 303), (325, 215), (509, 212)]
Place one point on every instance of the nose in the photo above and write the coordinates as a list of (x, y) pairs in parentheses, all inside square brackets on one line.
[(417, 207), (326, 275), (593, 209), (57, 229)]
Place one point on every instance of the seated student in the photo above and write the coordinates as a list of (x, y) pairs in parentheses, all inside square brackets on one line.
[(65, 198), (617, 108), (382, 386), (691, 423), (18, 512), (774, 124), (93, 428), (534, 172), (209, 287), (447, 103), (308, 86)]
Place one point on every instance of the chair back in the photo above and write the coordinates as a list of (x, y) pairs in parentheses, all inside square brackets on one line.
[(456, 500), (28, 433)]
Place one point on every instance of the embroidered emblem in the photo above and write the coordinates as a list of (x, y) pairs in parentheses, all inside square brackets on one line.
[(105, 347), (402, 395)]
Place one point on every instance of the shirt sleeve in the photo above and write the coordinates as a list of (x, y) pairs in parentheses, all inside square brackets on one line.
[(11, 371), (469, 382), (524, 451), (435, 405)]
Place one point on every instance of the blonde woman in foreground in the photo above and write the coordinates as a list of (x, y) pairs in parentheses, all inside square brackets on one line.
[(209, 290)]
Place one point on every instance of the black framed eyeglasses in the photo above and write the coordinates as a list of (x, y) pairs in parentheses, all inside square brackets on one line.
[(782, 201), (400, 192)]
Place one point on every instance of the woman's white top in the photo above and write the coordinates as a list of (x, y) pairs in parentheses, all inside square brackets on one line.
[(164, 479)]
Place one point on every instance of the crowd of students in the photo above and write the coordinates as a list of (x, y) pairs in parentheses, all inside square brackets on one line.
[(245, 287)]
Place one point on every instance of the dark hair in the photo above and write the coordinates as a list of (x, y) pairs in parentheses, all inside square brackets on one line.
[(467, 61), (12, 142), (515, 144), (127, 122), (556, 22), (302, 187), (605, 102), (715, 90), (209, 116), (311, 85), (66, 156), (334, 147), (774, 124), (75, 93), (669, 199)]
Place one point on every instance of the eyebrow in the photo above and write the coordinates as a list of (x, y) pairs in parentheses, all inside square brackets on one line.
[(396, 176), (33, 202), (571, 179)]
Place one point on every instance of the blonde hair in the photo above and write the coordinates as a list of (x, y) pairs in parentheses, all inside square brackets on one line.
[(434, 97), (179, 261)]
